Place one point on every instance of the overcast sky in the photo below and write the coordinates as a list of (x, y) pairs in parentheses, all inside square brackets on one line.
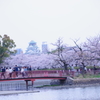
[(47, 20)]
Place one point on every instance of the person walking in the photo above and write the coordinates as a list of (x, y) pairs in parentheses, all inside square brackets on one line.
[(72, 71), (22, 71), (25, 71), (7, 72), (29, 71), (3, 70), (16, 70), (94, 69), (10, 72)]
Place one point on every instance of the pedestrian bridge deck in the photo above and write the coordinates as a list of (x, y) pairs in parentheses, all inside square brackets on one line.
[(33, 75)]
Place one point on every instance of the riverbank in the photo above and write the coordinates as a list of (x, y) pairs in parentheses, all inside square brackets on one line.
[(42, 85), (85, 82)]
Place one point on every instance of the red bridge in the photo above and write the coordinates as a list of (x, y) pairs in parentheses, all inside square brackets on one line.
[(33, 75)]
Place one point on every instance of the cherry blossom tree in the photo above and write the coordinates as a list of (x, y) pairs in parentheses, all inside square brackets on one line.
[(93, 47), (36, 61), (63, 55)]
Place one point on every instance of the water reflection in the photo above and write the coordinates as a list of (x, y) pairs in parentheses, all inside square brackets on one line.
[(88, 93)]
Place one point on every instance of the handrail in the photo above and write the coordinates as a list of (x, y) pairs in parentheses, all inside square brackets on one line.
[(43, 73), (35, 73)]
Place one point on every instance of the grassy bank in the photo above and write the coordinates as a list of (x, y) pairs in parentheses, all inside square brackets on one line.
[(87, 76)]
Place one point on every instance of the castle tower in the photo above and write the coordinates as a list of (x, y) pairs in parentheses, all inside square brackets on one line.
[(32, 48)]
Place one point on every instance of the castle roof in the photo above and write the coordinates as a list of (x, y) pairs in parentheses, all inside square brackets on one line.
[(32, 42)]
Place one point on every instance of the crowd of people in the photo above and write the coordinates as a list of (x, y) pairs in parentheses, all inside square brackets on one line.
[(9, 72)]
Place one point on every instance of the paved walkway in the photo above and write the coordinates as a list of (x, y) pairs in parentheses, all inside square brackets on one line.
[(38, 82), (15, 92)]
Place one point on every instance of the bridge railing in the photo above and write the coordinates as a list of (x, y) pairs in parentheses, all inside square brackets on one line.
[(35, 73), (43, 73)]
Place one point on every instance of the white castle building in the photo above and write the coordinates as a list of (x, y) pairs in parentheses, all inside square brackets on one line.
[(32, 48)]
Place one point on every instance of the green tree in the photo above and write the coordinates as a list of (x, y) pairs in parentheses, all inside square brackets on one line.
[(6, 46)]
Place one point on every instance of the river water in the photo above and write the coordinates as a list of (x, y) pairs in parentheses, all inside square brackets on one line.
[(86, 93)]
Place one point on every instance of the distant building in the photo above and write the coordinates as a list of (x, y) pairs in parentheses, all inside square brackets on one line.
[(44, 47), (32, 48), (18, 51)]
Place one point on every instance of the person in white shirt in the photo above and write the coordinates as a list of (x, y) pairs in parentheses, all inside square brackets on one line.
[(22, 71), (7, 73), (10, 72)]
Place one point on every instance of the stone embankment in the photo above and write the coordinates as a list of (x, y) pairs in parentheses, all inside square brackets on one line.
[(86, 81)]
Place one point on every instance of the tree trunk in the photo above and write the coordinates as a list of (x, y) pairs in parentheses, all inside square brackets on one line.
[(83, 69)]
